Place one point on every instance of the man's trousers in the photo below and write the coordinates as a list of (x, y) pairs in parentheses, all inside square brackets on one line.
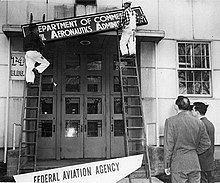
[(31, 58), (128, 41), (183, 177)]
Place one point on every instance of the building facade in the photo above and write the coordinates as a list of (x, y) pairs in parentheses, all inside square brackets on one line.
[(81, 116)]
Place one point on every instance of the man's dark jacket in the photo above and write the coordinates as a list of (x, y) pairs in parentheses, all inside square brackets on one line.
[(33, 42), (206, 159)]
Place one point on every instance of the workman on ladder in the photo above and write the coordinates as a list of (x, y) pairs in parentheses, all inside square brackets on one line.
[(33, 45), (128, 24)]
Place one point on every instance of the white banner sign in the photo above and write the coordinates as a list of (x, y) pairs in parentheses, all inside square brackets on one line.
[(108, 171)]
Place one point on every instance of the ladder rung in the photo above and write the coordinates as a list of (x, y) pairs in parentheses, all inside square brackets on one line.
[(136, 139), (128, 67), (131, 95), (29, 143), (28, 155), (29, 131), (132, 116), (127, 58), (30, 119), (130, 86), (36, 96), (134, 128), (33, 86), (132, 106), (129, 76), (31, 107)]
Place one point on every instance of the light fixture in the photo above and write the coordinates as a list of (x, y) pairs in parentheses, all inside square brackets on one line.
[(85, 42)]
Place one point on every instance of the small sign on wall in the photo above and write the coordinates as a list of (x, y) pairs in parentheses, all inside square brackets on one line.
[(17, 71)]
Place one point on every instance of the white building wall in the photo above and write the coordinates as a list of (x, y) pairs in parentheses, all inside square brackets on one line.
[(188, 20)]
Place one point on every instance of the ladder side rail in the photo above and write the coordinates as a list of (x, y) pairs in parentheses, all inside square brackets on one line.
[(123, 100), (144, 126), (23, 113), (38, 121)]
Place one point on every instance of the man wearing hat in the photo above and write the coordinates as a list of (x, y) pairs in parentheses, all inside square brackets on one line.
[(33, 46), (128, 23), (207, 158)]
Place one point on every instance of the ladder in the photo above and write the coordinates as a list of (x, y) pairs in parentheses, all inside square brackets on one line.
[(29, 127), (132, 111)]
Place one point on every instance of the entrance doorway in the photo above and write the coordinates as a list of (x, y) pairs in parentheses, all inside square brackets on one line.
[(82, 115)]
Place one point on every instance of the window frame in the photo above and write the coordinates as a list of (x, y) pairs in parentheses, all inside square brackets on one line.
[(210, 69)]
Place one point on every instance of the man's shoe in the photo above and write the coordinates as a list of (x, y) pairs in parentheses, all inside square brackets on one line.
[(125, 55), (133, 55), (35, 71), (29, 84)]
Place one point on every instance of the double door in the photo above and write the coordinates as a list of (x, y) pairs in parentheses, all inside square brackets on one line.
[(83, 127), (81, 116)]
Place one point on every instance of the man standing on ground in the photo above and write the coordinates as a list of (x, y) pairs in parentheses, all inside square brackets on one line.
[(33, 45), (206, 159), (184, 138), (128, 23)]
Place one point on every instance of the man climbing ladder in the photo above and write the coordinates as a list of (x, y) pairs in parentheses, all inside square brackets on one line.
[(33, 45), (128, 24)]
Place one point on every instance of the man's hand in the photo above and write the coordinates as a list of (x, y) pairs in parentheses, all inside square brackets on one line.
[(167, 171)]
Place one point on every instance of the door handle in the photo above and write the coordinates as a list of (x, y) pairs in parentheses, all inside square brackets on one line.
[(81, 128), (112, 128), (84, 128), (54, 128)]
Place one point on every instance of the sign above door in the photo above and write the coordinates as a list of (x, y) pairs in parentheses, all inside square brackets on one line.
[(87, 24)]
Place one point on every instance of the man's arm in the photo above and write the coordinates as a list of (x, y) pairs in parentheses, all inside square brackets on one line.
[(168, 144), (204, 141)]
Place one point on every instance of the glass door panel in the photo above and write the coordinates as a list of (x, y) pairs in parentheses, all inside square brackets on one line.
[(72, 137)]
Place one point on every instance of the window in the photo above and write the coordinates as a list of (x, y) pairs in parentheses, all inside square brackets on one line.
[(194, 71)]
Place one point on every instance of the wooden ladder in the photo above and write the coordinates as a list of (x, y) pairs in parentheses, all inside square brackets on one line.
[(132, 110), (29, 126)]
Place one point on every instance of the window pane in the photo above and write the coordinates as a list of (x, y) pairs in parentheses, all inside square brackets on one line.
[(189, 75), (190, 88), (94, 106), (72, 105), (205, 75), (72, 83), (117, 86), (206, 88), (119, 129), (94, 62), (46, 128), (117, 106), (94, 83), (181, 49), (198, 88), (72, 128), (46, 105), (94, 128), (197, 49), (47, 83), (197, 62), (72, 63), (182, 61), (188, 49), (198, 76)]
